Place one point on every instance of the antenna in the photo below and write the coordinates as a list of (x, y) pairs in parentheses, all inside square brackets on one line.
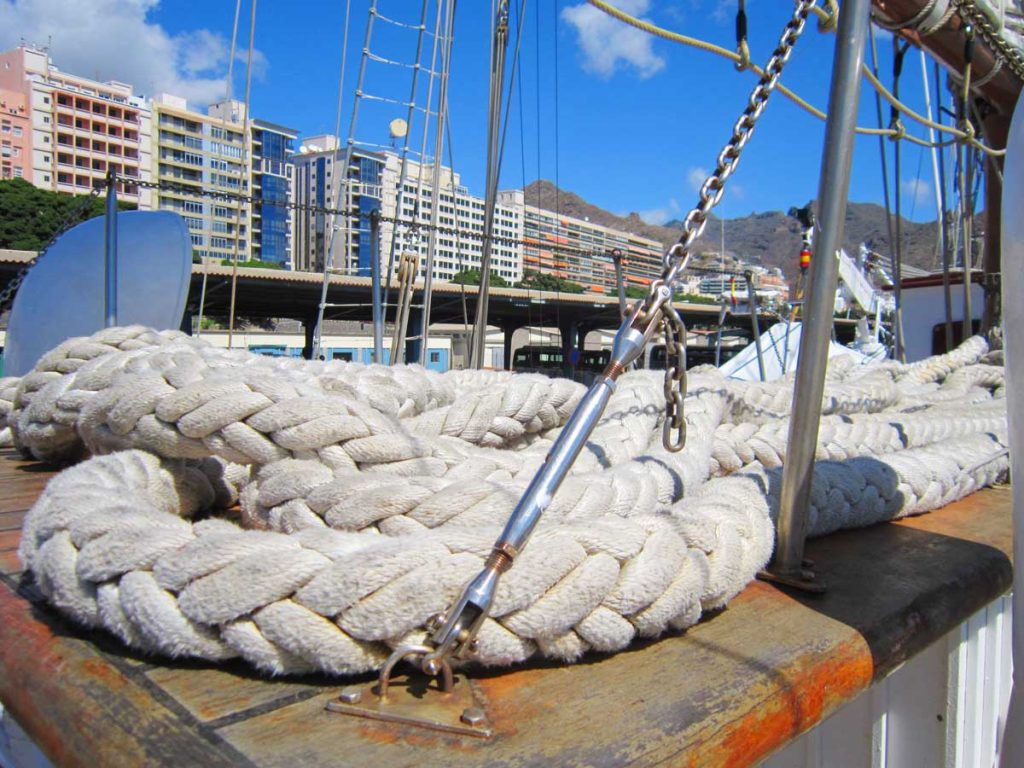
[(398, 128)]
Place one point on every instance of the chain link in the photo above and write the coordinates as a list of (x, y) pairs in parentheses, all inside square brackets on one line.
[(657, 307), (71, 218), (971, 14), (673, 430)]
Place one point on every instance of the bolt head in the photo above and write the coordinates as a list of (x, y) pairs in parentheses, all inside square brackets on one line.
[(474, 645), (474, 716), (434, 622), (351, 695)]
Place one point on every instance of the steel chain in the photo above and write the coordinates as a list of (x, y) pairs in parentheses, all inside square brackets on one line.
[(657, 305), (971, 14), (673, 430), (70, 219)]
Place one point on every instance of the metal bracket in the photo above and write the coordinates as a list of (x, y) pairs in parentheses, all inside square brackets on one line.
[(419, 701), (804, 580)]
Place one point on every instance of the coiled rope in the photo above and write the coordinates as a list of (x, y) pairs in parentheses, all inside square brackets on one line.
[(367, 496)]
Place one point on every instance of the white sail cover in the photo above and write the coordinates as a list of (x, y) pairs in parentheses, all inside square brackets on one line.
[(780, 349)]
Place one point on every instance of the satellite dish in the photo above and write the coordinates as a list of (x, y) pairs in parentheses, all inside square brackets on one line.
[(398, 128), (62, 295)]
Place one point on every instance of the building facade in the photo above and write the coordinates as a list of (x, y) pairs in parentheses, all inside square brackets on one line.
[(80, 128), (15, 136), (376, 183), (194, 154), (271, 182), (581, 251)]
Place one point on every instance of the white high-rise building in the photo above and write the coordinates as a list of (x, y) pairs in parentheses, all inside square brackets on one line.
[(376, 185)]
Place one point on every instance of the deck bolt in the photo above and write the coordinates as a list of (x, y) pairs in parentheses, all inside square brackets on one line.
[(474, 716), (351, 695)]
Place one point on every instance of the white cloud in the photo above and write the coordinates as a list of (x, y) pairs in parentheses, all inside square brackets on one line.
[(607, 44), (696, 177), (663, 214), (114, 40), (724, 10), (917, 190)]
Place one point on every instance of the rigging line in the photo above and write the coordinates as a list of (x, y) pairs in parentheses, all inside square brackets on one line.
[(522, 172), (246, 138), (458, 231), (443, 7), (942, 191), (703, 45), (882, 153), (558, 187), (538, 139), (934, 156), (336, 184), (228, 87), (899, 52), (403, 172)]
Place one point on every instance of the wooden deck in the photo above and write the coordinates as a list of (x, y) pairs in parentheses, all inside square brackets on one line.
[(725, 693)]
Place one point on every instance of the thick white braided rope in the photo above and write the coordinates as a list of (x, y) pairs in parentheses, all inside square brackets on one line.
[(370, 495)]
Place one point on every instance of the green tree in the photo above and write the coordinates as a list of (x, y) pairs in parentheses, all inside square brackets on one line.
[(472, 277), (542, 281), (29, 216)]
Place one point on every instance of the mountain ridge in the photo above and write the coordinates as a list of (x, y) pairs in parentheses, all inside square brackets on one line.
[(770, 238)]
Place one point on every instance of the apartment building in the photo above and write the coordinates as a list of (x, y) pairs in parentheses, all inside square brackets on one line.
[(194, 155), (80, 128), (271, 183), (15, 136), (581, 251), (410, 197), (375, 182)]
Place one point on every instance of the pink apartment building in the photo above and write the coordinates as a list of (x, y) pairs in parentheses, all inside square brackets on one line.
[(76, 129), (15, 136)]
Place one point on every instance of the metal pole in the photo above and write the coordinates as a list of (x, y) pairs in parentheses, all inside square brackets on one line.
[(110, 260), (833, 188), (499, 49), (435, 182), (378, 314), (718, 334), (752, 303), (947, 291), (967, 200), (619, 282)]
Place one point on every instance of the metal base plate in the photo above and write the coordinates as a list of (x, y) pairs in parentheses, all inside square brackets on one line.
[(805, 580), (418, 701)]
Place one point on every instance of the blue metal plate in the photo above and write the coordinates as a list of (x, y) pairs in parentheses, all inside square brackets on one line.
[(62, 295)]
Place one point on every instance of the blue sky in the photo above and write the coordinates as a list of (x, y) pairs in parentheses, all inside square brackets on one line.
[(639, 121)]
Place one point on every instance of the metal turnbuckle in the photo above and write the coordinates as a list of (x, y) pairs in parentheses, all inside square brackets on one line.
[(443, 702)]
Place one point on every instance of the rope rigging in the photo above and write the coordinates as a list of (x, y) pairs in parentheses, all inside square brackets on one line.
[(826, 24)]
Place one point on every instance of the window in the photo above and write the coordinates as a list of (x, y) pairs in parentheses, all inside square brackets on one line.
[(17, 130), (435, 357), (46, 99), (17, 172), (46, 177), (46, 139)]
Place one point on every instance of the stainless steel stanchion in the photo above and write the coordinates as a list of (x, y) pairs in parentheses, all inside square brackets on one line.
[(787, 565)]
